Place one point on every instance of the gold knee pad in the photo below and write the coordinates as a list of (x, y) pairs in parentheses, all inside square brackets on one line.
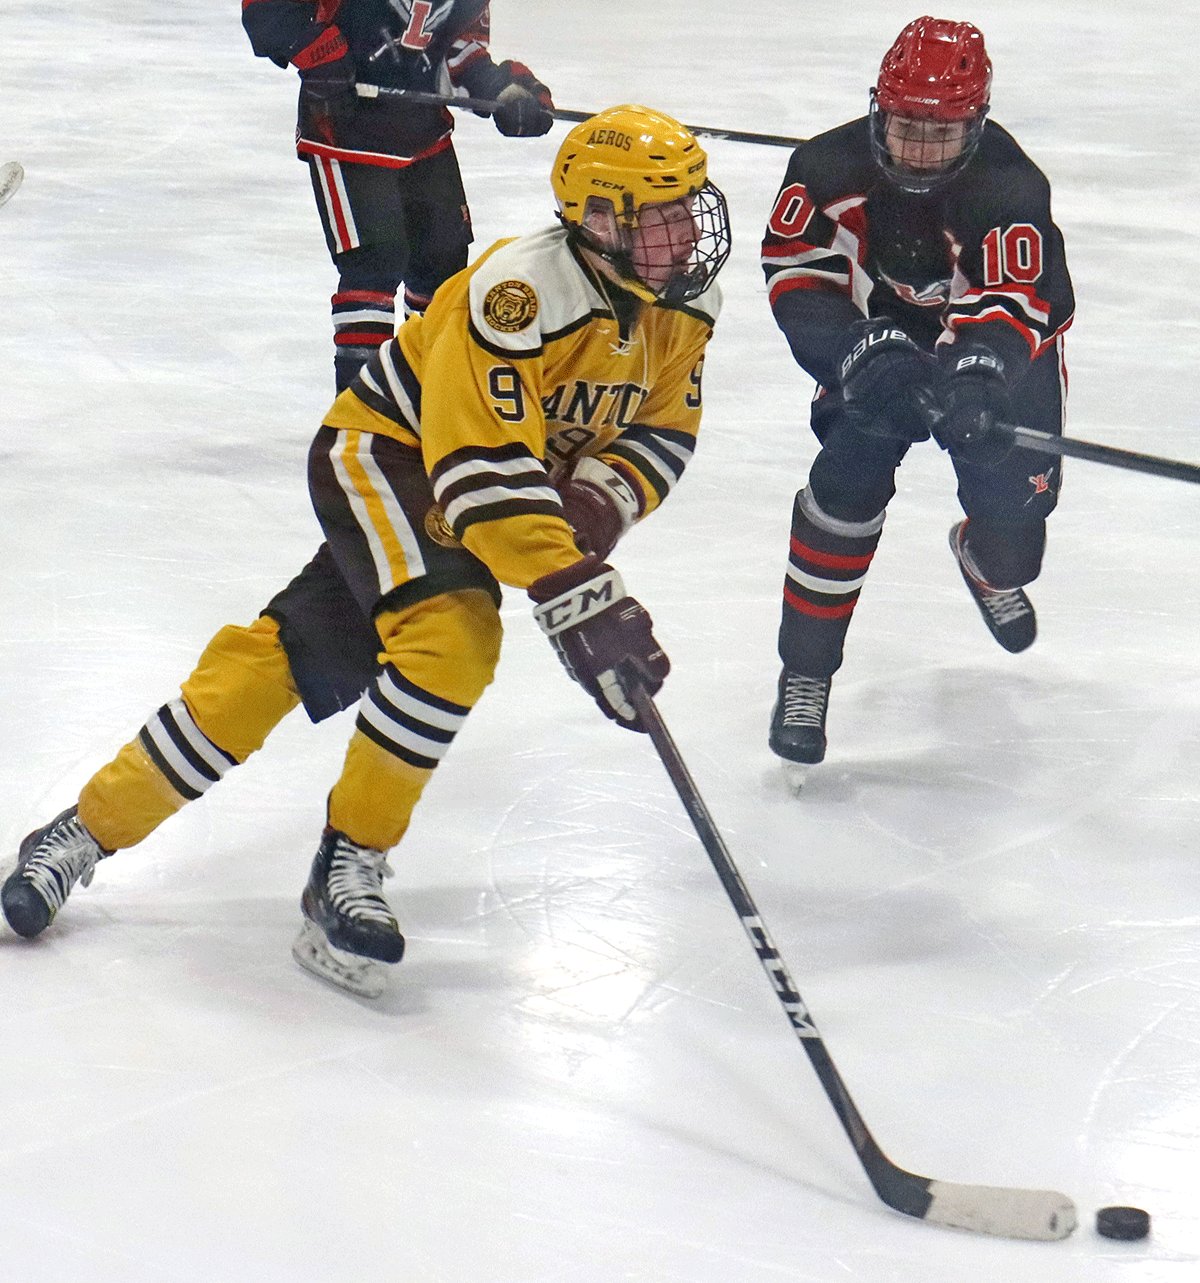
[(242, 687), (448, 647), (237, 694)]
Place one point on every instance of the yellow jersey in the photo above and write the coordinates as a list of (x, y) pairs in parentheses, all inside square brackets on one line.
[(519, 367)]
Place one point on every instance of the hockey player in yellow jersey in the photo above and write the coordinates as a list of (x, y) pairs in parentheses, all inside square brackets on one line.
[(547, 400)]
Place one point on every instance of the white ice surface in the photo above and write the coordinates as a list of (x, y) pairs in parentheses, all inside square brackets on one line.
[(989, 895)]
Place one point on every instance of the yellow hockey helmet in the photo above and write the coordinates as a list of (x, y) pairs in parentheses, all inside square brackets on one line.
[(618, 165)]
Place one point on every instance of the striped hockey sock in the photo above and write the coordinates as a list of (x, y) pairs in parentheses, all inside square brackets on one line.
[(362, 321), (827, 564)]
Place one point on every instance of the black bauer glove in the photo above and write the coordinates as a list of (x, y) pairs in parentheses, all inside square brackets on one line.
[(887, 382), (599, 504), (523, 109), (327, 75), (594, 629), (974, 400)]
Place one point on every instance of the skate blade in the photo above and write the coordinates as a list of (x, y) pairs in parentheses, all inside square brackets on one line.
[(795, 776), (363, 977)]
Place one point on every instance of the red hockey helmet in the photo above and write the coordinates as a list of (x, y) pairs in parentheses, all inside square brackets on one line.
[(937, 72)]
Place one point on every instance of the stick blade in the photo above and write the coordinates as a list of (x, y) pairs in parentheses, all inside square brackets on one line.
[(1042, 1214)]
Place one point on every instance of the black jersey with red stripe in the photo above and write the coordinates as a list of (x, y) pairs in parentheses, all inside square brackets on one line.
[(979, 257), (433, 46)]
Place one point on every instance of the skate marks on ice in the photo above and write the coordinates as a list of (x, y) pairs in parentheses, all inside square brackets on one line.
[(11, 176), (971, 759)]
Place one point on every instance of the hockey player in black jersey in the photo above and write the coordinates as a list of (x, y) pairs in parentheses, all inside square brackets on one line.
[(384, 171), (914, 268)]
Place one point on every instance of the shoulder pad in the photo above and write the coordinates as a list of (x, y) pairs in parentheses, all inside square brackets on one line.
[(526, 291)]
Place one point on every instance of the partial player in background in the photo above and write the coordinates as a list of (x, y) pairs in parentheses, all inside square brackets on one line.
[(384, 171), (547, 400), (913, 265)]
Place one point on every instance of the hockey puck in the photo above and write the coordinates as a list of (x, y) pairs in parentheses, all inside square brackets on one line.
[(1122, 1222)]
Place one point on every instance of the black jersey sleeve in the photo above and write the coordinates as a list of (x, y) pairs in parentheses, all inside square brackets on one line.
[(279, 28), (813, 257), (469, 60), (1011, 288)]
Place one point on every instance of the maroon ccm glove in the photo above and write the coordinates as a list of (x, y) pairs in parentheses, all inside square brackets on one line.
[(594, 628), (599, 504)]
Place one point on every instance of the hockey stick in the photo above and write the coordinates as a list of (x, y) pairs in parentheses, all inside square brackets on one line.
[(559, 113), (986, 1209), (10, 179), (1132, 460)]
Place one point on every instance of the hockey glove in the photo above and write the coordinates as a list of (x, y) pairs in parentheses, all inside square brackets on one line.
[(599, 504), (594, 628), (327, 75), (974, 399), (524, 104), (887, 382)]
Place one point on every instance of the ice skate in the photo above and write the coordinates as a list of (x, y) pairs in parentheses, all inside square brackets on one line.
[(798, 723), (51, 860), (349, 929), (1008, 613)]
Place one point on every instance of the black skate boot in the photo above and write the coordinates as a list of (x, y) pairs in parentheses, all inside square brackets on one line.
[(1007, 612), (51, 860), (348, 926), (798, 718)]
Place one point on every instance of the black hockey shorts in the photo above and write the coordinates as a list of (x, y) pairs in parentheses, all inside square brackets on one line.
[(853, 476), (387, 547), (415, 217), (330, 643)]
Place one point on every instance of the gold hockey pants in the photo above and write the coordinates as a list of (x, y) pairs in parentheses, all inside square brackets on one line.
[(438, 657)]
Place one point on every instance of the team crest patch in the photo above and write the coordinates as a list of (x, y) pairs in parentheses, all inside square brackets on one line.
[(438, 528), (510, 306)]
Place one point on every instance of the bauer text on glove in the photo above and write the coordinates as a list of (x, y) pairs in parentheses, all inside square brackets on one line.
[(887, 382), (975, 400)]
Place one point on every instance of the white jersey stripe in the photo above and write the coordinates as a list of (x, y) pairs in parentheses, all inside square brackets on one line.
[(352, 449), (394, 514), (204, 747), (174, 758), (401, 398), (400, 735), (401, 700), (653, 460), (499, 494), (486, 467)]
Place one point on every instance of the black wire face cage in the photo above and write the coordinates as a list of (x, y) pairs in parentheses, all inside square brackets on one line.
[(710, 227), (710, 214), (917, 181)]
